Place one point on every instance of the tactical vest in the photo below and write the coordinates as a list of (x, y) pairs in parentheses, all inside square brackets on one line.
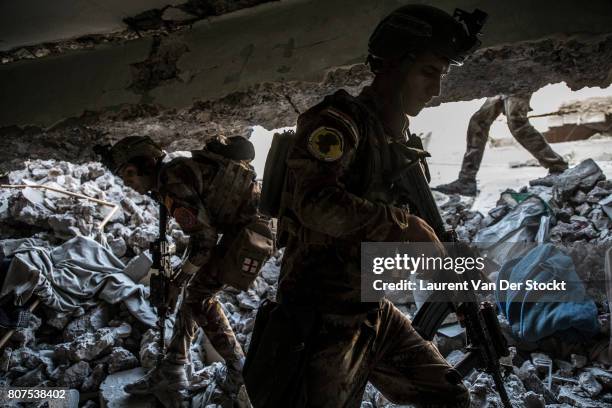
[(368, 175), (230, 188)]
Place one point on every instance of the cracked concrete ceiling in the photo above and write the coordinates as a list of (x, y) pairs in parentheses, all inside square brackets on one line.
[(27, 22), (30, 22), (261, 65)]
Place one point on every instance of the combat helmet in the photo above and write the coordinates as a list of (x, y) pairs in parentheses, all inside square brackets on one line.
[(127, 149), (414, 28)]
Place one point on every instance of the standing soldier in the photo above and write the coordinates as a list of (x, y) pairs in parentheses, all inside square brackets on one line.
[(336, 195), (207, 194), (515, 107)]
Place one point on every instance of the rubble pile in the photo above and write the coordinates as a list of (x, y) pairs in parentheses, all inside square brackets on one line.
[(57, 216), (533, 382), (76, 354), (579, 201), (106, 345), (580, 206)]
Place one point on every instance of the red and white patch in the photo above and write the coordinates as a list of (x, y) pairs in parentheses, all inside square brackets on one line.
[(250, 266)]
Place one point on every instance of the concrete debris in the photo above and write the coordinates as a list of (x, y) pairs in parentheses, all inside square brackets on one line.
[(602, 376), (96, 318), (533, 400), (149, 348), (483, 392), (528, 375), (93, 381), (578, 361), (121, 359), (25, 336), (572, 397), (584, 176), (31, 378), (248, 300), (95, 354), (455, 356), (87, 346), (128, 232), (589, 384), (75, 375), (113, 396), (579, 120), (564, 368)]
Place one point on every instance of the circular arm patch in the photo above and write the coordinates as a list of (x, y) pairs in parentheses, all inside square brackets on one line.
[(326, 144)]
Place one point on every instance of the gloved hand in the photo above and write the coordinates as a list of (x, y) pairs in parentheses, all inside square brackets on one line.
[(419, 231), (411, 228)]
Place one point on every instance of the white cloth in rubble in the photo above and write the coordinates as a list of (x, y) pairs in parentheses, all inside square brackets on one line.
[(72, 277)]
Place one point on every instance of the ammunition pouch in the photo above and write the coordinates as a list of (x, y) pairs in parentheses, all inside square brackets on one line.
[(241, 255), (277, 359)]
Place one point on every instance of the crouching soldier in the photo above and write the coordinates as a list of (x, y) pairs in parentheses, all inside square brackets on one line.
[(213, 192)]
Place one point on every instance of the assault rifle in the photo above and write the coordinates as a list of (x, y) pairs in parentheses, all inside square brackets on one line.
[(486, 343), (161, 279)]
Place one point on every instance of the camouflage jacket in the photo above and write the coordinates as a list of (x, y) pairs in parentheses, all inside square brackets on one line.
[(207, 195), (335, 197)]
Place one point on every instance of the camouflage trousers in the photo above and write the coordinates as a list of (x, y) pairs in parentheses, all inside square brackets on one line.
[(201, 308), (381, 347), (515, 108)]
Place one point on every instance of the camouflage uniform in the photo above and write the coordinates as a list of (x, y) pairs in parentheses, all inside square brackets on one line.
[(515, 108), (196, 197), (336, 196)]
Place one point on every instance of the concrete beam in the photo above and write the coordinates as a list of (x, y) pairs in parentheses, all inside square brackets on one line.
[(278, 42)]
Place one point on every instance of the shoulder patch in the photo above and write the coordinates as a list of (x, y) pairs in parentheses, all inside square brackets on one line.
[(345, 120), (326, 144)]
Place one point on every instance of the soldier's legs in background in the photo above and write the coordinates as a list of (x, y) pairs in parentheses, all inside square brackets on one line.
[(408, 369), (477, 135), (516, 108)]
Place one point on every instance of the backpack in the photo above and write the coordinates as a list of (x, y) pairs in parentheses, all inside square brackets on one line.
[(241, 253)]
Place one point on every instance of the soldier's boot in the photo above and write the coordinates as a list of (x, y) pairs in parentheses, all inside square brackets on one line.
[(170, 378), (233, 377), (463, 186)]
